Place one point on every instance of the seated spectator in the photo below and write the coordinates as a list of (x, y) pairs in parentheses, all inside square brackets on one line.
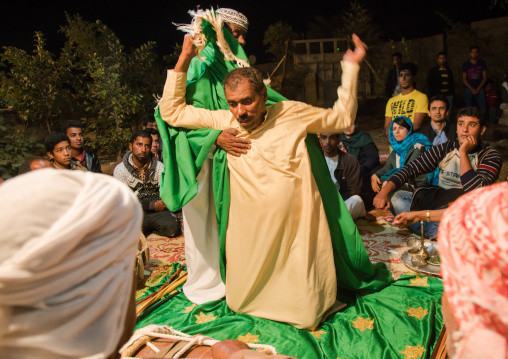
[(88, 159), (473, 251), (59, 152), (362, 147), (32, 164), (345, 172), (67, 255), (142, 173), (149, 122), (406, 147), (156, 143), (464, 165), (492, 100), (439, 129)]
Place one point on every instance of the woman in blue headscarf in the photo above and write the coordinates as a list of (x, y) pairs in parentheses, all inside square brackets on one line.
[(406, 146)]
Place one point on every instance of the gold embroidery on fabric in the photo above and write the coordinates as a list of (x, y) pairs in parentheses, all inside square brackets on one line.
[(189, 308), (203, 318), (318, 333), (417, 312), (363, 324), (419, 282), (413, 352), (249, 338), (141, 293)]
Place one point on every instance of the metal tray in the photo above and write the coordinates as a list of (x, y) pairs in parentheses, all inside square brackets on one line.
[(429, 269)]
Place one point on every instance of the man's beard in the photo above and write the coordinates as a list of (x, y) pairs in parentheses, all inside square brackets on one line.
[(142, 160)]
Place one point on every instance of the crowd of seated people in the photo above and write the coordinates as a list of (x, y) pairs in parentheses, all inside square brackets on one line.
[(445, 161)]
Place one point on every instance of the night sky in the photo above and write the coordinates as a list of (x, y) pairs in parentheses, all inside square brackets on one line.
[(136, 22)]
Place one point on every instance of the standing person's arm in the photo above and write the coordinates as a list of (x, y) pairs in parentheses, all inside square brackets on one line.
[(464, 81), (421, 108), (172, 106), (484, 79), (343, 113), (418, 120)]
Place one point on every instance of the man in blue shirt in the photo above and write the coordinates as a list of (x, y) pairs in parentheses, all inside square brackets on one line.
[(439, 129), (474, 75)]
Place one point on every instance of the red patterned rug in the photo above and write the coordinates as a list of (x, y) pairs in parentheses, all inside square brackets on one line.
[(384, 243)]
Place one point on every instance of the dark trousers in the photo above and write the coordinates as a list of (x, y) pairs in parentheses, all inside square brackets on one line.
[(161, 223)]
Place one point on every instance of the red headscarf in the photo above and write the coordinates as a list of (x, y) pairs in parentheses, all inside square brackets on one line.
[(473, 244)]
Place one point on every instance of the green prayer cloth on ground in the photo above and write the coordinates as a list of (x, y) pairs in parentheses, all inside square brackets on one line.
[(403, 317)]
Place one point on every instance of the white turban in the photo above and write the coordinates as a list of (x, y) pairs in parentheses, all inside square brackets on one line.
[(234, 17), (68, 242)]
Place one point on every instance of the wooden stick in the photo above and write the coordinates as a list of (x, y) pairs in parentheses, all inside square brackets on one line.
[(161, 294), (169, 281)]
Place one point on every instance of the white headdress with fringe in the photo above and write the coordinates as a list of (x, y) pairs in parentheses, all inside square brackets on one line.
[(199, 39)]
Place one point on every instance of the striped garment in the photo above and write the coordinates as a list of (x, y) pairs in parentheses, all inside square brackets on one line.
[(486, 164)]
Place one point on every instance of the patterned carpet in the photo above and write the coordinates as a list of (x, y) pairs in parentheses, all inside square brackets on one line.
[(384, 243)]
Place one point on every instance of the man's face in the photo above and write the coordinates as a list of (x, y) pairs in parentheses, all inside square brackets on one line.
[(469, 126), (441, 60), (247, 105), (474, 54), (151, 125), (141, 149), (406, 79), (156, 145), (61, 154), (39, 164), (330, 143), (396, 61), (239, 33), (76, 137), (438, 111)]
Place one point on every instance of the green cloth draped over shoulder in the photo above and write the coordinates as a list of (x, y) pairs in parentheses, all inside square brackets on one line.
[(185, 151)]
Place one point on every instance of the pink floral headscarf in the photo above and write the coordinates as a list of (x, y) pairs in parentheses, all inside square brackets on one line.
[(473, 244)]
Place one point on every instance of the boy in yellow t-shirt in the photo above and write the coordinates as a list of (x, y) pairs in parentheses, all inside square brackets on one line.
[(410, 102)]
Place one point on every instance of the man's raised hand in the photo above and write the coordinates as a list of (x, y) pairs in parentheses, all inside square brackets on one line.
[(188, 52), (358, 55)]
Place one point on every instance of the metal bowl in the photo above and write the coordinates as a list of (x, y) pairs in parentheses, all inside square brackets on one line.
[(428, 268)]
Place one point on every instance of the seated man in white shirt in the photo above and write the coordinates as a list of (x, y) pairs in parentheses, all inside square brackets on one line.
[(345, 172)]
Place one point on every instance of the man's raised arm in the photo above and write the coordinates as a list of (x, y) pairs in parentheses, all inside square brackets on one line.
[(173, 108), (343, 113)]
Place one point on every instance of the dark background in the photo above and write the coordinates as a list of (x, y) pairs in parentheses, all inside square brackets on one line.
[(136, 22)]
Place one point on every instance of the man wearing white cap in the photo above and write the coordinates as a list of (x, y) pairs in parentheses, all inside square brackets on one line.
[(67, 251)]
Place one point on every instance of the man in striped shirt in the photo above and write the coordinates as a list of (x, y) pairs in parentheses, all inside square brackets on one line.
[(464, 165)]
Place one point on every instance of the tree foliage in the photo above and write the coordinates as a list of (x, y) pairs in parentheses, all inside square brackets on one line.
[(33, 85), (93, 79), (275, 39)]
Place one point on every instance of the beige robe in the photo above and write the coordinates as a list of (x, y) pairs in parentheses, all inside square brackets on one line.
[(279, 256)]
